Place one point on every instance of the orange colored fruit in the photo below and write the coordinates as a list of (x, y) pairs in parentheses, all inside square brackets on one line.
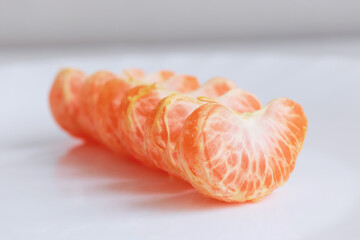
[(89, 97), (137, 105), (238, 157), (107, 106), (181, 83), (157, 77), (64, 100), (91, 91), (216, 137), (213, 88), (73, 98), (163, 126), (132, 74), (110, 97), (138, 76)]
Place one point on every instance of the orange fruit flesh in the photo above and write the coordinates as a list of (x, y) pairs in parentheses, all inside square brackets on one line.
[(181, 83), (213, 88), (132, 74), (110, 93), (157, 77), (89, 97), (64, 99), (137, 105), (240, 100), (239, 157), (107, 106), (73, 98), (163, 126)]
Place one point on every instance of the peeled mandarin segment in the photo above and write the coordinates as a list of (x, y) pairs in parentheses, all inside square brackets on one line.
[(135, 107), (239, 100), (108, 103), (239, 157), (107, 107), (89, 97), (138, 76), (111, 95), (64, 100), (164, 125), (181, 83), (157, 77), (213, 88), (132, 74), (206, 99)]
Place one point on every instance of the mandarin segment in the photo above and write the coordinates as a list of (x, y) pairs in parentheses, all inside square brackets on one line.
[(107, 107), (181, 83), (109, 100), (64, 100), (136, 105), (239, 157), (158, 77), (89, 97), (213, 88), (132, 75), (138, 76), (164, 125), (240, 100)]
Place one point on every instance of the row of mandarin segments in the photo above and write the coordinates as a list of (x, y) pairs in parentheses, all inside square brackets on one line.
[(215, 136)]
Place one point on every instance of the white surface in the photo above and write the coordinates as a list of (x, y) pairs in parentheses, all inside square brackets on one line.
[(53, 187), (91, 21)]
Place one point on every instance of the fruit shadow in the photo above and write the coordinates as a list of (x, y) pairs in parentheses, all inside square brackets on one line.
[(108, 173)]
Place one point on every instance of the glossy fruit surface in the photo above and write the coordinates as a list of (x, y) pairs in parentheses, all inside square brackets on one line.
[(239, 157)]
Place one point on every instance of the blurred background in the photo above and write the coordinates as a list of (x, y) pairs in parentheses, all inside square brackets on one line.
[(50, 183), (39, 22)]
